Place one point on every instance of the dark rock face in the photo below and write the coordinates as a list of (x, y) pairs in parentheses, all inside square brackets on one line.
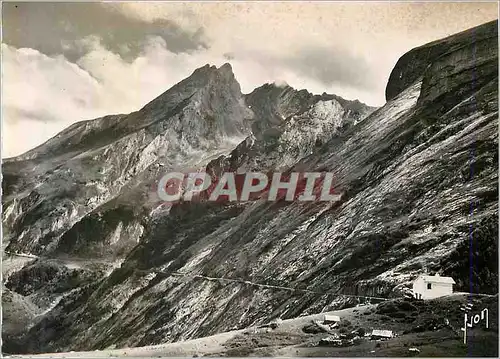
[(412, 65), (418, 179)]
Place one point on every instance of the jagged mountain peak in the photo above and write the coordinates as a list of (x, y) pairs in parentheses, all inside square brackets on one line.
[(226, 67), (202, 77), (204, 113), (83, 134), (209, 69)]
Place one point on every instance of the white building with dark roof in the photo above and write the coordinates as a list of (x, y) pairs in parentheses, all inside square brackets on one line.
[(429, 287)]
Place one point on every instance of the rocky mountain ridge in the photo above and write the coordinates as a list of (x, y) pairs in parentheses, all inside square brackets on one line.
[(418, 176), (92, 162)]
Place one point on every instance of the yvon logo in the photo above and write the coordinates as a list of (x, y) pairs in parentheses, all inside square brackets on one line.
[(230, 186)]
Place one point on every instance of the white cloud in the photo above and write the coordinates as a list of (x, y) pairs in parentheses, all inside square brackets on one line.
[(40, 96)]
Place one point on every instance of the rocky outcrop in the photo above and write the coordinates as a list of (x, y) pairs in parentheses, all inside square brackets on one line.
[(443, 55)]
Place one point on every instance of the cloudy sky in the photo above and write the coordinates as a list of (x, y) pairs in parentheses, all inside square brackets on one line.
[(66, 62)]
